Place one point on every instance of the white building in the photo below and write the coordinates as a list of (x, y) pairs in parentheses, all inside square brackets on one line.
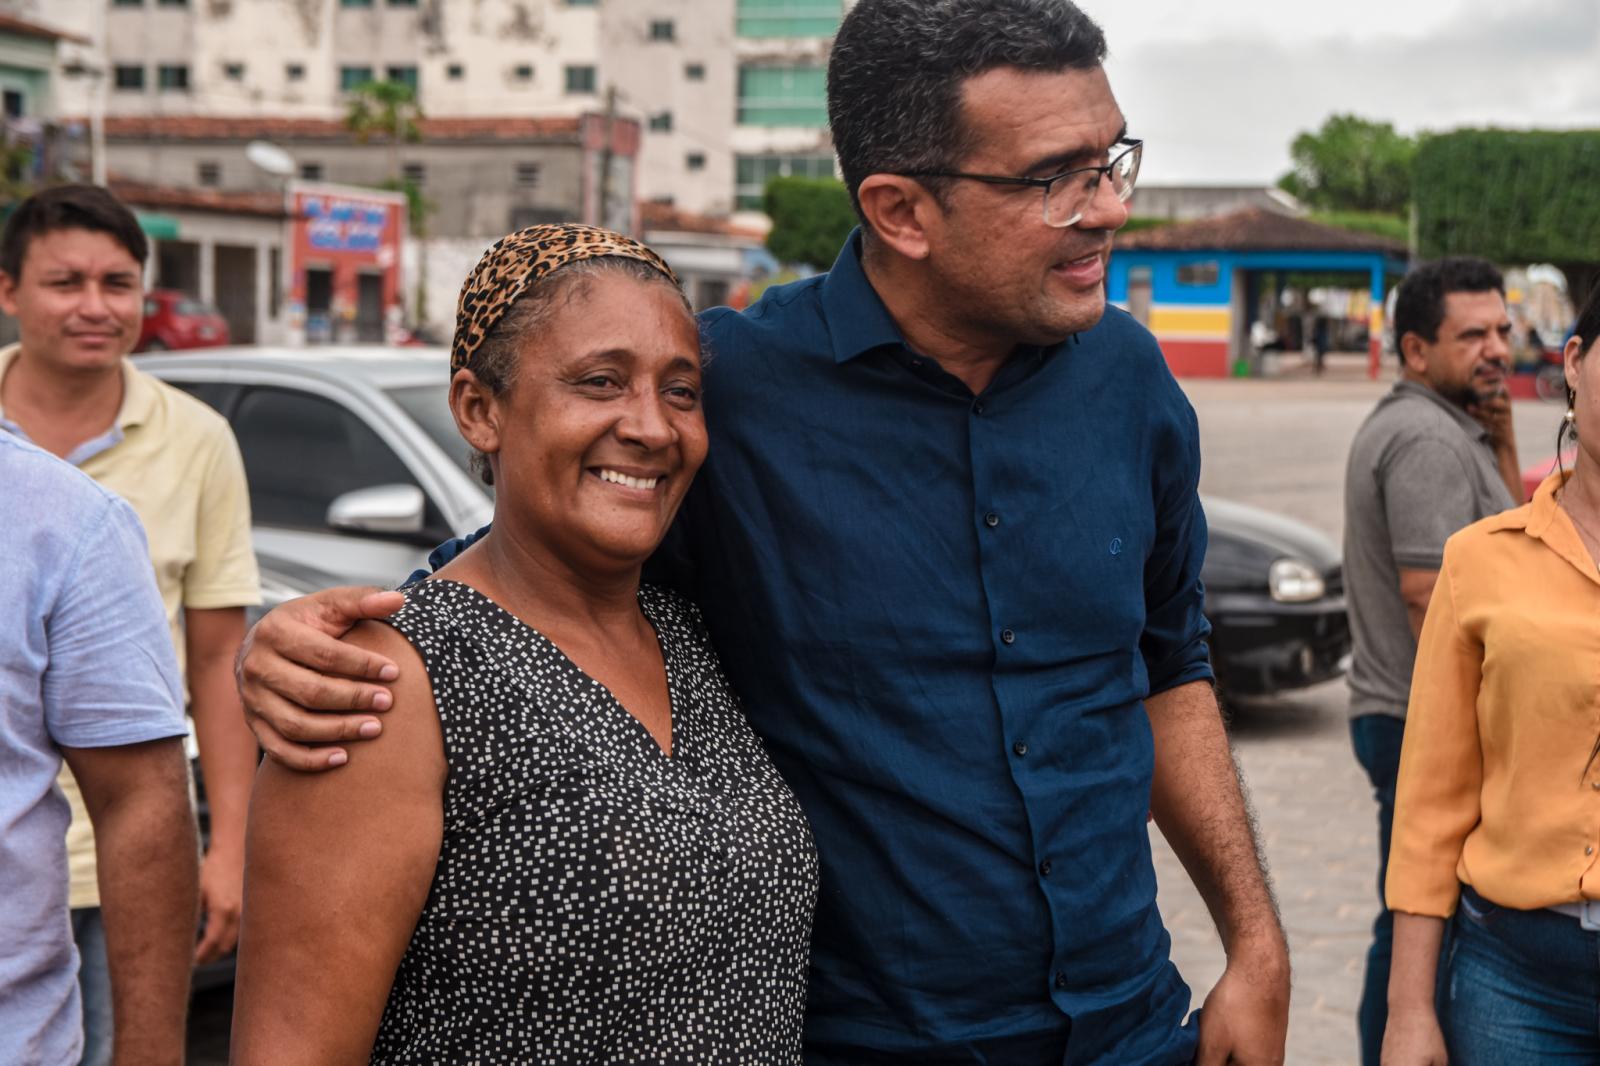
[(730, 92)]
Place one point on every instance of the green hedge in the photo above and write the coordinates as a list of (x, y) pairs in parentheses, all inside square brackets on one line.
[(1510, 196), (811, 217)]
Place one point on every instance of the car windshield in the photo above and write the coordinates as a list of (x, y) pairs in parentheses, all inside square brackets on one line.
[(429, 407), (194, 308)]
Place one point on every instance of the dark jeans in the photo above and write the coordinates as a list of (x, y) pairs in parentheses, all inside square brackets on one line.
[(1376, 738), (1521, 986)]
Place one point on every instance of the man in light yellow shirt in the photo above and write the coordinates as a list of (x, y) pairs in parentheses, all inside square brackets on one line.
[(71, 274)]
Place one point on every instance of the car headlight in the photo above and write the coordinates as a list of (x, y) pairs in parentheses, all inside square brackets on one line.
[(1292, 581)]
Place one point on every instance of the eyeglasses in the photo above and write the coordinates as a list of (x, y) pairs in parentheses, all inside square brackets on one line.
[(1066, 195)]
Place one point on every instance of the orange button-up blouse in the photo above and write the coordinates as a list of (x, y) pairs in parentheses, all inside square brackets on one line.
[(1499, 778)]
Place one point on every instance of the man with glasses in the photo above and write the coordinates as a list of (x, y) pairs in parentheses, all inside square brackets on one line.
[(948, 544)]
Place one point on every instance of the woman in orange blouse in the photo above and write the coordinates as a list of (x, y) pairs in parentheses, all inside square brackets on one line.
[(1497, 812)]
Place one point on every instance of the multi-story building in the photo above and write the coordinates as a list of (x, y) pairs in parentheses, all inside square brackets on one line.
[(729, 93)]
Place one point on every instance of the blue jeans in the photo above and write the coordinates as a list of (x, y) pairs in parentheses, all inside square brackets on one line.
[(94, 985), (1376, 739), (1521, 987)]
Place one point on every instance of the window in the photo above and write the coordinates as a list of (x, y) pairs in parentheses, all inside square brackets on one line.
[(788, 18), (311, 171), (429, 407), (663, 30), (294, 71), (402, 3), (528, 175), (415, 173), (233, 71), (695, 160), (127, 3), (783, 96), (406, 76), (352, 78), (355, 3), (523, 217), (661, 123), (172, 3), (13, 103), (1206, 273), (580, 79), (523, 72), (580, 3), (286, 437), (214, 394), (209, 173), (173, 77), (455, 71), (752, 172), (694, 71), (128, 78)]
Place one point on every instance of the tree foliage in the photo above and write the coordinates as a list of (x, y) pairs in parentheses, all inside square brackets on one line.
[(811, 217), (1352, 164), (387, 108), (1512, 196)]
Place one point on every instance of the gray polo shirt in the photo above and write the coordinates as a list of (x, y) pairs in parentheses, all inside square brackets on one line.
[(1420, 468)]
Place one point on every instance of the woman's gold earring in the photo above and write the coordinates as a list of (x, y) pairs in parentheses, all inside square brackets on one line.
[(1571, 415)]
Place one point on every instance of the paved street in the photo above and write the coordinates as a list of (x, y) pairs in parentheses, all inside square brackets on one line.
[(1281, 445)]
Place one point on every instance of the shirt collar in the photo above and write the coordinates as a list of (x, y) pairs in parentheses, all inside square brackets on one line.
[(857, 320), (139, 394), (1473, 427)]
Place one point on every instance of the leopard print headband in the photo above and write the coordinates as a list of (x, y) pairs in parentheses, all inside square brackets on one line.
[(517, 261)]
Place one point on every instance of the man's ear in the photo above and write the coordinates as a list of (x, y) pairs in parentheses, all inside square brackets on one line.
[(1413, 352), (8, 294), (476, 411), (900, 212)]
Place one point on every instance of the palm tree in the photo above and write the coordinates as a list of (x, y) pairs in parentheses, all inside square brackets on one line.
[(390, 109)]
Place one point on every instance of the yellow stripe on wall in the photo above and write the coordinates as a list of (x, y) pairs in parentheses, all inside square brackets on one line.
[(1195, 322)]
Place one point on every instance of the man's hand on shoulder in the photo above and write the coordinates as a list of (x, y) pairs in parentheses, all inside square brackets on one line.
[(1246, 1016), (294, 667)]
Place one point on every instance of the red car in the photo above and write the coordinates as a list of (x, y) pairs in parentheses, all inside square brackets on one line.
[(174, 320)]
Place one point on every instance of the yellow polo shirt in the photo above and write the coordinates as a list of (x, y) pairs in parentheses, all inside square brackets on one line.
[(176, 462)]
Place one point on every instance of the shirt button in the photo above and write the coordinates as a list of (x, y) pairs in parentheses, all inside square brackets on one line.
[(991, 520), (1020, 748), (1061, 979), (1597, 786), (1589, 850), (1044, 868), (977, 407), (1008, 637)]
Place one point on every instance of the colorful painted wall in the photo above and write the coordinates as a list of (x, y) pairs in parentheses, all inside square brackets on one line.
[(1192, 300)]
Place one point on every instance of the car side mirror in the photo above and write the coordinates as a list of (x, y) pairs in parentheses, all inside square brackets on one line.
[(379, 509)]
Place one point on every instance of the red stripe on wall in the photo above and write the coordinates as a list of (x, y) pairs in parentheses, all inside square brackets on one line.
[(1196, 359)]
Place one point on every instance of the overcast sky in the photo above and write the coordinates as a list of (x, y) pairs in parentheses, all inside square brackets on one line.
[(1218, 88)]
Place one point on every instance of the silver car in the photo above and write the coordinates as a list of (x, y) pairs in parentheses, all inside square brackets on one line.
[(355, 467)]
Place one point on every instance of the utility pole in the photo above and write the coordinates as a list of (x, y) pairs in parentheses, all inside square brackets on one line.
[(606, 157)]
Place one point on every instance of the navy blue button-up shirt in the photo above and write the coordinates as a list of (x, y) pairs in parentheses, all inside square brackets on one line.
[(942, 612)]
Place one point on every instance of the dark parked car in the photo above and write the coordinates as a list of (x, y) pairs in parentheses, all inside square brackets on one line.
[(174, 321), (1275, 600)]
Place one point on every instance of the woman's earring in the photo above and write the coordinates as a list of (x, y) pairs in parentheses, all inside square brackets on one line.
[(1571, 416)]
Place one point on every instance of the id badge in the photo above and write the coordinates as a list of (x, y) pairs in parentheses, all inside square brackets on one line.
[(1590, 919)]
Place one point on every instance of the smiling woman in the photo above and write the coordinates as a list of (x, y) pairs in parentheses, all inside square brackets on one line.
[(567, 817)]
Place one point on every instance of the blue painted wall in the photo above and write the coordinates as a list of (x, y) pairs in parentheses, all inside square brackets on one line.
[(1163, 266)]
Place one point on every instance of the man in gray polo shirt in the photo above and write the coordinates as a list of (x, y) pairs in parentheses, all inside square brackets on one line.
[(1436, 454)]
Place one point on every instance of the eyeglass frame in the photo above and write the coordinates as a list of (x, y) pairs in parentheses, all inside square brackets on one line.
[(1135, 144)]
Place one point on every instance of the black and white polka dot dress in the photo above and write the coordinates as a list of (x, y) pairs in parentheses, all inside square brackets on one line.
[(596, 901)]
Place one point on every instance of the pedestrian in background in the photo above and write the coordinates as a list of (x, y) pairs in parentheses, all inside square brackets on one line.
[(87, 674), (1436, 454), (1497, 816), (72, 275)]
